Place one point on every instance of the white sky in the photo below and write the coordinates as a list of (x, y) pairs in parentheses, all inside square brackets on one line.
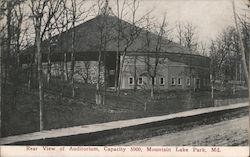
[(209, 16)]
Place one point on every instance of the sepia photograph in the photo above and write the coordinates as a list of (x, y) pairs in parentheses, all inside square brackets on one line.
[(130, 76)]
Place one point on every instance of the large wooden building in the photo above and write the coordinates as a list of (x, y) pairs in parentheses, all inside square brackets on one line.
[(178, 68)]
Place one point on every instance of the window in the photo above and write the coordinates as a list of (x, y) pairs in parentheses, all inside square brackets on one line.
[(179, 81), (162, 81), (130, 80), (188, 82), (173, 81), (153, 81), (140, 81)]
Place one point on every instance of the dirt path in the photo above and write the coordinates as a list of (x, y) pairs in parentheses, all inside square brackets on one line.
[(226, 133)]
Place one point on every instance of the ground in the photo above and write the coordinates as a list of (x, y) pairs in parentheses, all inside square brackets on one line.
[(226, 133), (180, 129), (65, 111)]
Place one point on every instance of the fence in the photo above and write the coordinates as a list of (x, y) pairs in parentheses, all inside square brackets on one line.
[(220, 102)]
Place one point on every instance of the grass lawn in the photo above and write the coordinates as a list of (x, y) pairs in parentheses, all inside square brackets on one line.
[(60, 112)]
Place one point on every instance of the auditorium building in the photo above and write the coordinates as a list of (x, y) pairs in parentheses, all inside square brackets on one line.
[(140, 63)]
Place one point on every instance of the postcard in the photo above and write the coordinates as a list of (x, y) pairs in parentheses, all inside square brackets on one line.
[(124, 78)]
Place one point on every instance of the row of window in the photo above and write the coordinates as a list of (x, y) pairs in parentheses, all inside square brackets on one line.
[(179, 81), (161, 81)]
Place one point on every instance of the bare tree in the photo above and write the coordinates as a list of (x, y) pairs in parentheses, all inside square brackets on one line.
[(153, 61), (76, 15), (148, 42), (245, 26), (120, 14), (72, 67), (38, 14), (1, 50), (225, 58), (180, 36), (202, 49), (52, 9), (62, 24), (17, 21), (187, 36), (104, 38), (102, 10), (129, 34), (84, 72), (241, 44), (9, 7), (219, 51), (49, 56), (13, 15)]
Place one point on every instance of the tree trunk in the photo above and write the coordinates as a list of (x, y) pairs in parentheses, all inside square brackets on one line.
[(73, 61), (49, 65), (98, 93), (30, 71), (65, 67), (117, 69), (117, 56), (16, 70), (120, 73), (40, 79), (72, 73), (135, 74), (249, 83), (105, 80), (8, 42), (152, 88), (1, 102)]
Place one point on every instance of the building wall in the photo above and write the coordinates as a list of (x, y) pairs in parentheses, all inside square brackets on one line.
[(168, 71), (80, 71), (169, 74)]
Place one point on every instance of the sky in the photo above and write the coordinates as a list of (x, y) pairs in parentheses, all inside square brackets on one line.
[(209, 16)]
